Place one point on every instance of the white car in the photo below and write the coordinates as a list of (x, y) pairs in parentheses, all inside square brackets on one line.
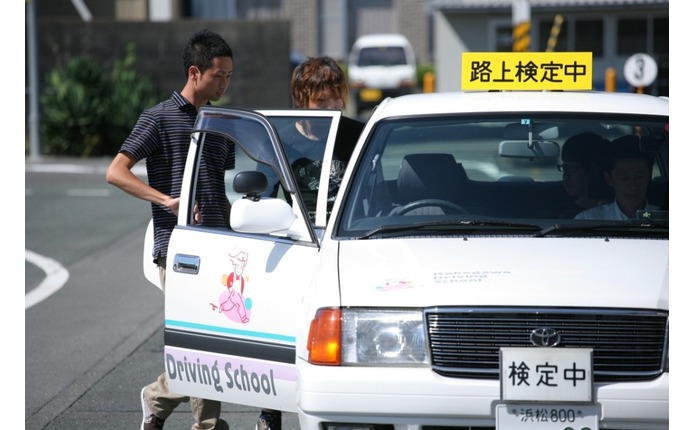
[(446, 286)]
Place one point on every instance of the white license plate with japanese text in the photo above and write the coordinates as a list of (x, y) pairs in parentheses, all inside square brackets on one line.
[(546, 416), (546, 374)]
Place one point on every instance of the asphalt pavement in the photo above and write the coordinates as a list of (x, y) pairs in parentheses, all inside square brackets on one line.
[(91, 346), (108, 397)]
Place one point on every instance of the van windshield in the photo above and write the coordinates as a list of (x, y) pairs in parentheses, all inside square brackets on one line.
[(383, 56)]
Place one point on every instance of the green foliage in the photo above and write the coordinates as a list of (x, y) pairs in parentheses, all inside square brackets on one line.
[(421, 70), (73, 108), (130, 95), (88, 111)]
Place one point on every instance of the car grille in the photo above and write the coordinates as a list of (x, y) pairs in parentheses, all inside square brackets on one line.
[(628, 345)]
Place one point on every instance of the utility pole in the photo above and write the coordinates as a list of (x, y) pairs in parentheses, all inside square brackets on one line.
[(34, 140), (521, 21), (33, 90)]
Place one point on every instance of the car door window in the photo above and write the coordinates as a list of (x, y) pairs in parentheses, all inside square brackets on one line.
[(308, 139)]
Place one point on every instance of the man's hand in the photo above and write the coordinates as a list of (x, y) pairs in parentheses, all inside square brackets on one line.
[(197, 217), (172, 204)]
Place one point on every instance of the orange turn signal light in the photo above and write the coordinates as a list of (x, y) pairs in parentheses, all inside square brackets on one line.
[(323, 342)]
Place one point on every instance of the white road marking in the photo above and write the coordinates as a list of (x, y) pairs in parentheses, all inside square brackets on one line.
[(139, 169), (56, 277)]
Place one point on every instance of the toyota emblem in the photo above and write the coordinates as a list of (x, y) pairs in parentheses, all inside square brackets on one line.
[(545, 336)]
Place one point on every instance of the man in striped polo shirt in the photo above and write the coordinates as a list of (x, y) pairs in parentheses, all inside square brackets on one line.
[(162, 137)]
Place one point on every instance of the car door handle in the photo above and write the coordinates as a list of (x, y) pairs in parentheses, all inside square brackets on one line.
[(186, 264)]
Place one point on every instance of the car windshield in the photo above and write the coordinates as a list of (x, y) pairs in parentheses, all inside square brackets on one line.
[(531, 174)]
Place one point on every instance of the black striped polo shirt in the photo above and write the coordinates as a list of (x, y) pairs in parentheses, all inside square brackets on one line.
[(162, 136)]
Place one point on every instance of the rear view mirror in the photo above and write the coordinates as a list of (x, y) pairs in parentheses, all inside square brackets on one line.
[(536, 149), (537, 131), (530, 140)]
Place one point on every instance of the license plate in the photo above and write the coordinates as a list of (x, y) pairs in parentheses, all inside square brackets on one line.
[(370, 95), (546, 416), (546, 374)]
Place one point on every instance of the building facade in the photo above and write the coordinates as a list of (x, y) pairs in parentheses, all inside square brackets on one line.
[(439, 30), (612, 30)]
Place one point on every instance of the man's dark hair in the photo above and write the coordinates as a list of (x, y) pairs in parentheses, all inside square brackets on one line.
[(201, 48), (627, 147), (583, 148)]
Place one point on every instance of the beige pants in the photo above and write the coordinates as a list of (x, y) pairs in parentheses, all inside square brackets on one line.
[(162, 402)]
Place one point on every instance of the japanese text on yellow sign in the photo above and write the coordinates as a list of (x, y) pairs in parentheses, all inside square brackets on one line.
[(526, 71)]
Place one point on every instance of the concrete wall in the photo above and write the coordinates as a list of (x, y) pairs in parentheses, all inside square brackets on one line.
[(261, 53), (318, 27), (454, 34), (414, 21)]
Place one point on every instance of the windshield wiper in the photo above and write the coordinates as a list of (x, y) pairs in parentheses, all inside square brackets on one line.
[(450, 227), (635, 227)]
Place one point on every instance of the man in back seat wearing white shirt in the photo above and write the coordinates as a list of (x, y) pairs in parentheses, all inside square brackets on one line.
[(629, 172)]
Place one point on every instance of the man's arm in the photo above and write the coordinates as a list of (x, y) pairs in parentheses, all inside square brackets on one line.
[(120, 175)]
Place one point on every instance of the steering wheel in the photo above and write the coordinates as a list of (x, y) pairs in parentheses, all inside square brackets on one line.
[(444, 204)]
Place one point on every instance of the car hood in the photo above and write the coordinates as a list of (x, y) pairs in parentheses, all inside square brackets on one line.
[(577, 272)]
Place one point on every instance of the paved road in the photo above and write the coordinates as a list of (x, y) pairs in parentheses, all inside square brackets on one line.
[(93, 338)]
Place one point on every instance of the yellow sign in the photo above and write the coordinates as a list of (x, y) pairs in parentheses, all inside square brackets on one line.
[(526, 71)]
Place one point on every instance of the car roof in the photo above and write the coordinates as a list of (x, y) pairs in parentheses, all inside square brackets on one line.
[(522, 101)]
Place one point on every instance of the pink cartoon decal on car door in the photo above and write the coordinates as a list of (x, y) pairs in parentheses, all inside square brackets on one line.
[(232, 302)]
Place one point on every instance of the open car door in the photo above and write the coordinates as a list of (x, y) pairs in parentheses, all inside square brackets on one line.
[(232, 297)]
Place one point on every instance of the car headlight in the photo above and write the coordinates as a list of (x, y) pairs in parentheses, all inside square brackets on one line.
[(379, 337)]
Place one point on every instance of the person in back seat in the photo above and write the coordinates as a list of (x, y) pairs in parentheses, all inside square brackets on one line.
[(629, 173), (579, 154)]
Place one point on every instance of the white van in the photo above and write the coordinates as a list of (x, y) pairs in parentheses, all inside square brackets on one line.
[(380, 66)]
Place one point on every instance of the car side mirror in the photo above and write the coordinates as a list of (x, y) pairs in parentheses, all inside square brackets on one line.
[(255, 214)]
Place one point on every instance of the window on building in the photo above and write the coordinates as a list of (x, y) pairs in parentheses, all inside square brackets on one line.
[(588, 36), (504, 39), (632, 36), (575, 35), (661, 36), (545, 29)]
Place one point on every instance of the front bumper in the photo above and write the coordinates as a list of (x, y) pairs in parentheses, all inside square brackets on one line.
[(416, 398)]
